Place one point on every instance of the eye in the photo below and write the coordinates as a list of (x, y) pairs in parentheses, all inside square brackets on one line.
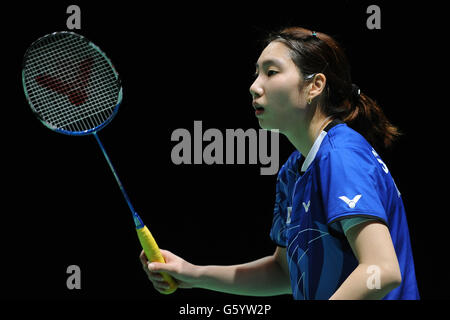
[(271, 73), (255, 75)]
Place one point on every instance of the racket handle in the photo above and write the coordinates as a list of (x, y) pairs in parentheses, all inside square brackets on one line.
[(152, 252)]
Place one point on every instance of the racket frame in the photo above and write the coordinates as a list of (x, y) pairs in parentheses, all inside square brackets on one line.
[(59, 130)]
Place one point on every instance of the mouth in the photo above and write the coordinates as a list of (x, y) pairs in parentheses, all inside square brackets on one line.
[(258, 109)]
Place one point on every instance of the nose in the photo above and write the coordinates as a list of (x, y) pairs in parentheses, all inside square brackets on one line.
[(256, 90)]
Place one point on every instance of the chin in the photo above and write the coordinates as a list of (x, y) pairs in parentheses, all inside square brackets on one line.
[(264, 124)]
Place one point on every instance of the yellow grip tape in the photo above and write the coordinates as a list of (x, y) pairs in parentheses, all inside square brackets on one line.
[(153, 254)]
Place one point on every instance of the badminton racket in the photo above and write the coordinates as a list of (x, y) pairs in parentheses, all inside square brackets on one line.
[(73, 88)]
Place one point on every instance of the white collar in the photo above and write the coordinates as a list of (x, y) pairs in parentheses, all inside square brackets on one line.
[(314, 149)]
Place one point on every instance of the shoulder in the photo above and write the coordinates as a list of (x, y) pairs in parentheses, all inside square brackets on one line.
[(343, 144), (344, 137)]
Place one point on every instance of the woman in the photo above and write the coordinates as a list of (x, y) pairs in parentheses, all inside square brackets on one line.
[(339, 221)]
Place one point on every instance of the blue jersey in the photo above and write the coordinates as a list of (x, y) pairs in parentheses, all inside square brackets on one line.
[(341, 179)]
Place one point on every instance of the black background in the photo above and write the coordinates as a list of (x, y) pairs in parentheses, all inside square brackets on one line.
[(180, 63)]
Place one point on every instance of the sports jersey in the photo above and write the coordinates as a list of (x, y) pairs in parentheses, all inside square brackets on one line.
[(342, 179)]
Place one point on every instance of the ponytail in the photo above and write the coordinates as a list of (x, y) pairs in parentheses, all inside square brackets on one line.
[(366, 117)]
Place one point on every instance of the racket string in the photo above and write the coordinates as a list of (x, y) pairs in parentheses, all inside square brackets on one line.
[(70, 83)]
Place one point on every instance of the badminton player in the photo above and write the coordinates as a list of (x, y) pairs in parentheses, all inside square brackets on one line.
[(339, 221)]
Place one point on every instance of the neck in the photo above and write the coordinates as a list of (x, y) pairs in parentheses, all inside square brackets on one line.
[(303, 136)]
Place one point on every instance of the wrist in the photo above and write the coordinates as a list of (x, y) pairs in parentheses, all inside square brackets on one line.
[(199, 276)]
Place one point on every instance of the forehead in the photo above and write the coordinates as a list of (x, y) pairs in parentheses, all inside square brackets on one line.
[(275, 52)]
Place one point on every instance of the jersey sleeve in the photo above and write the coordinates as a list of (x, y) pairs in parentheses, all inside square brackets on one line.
[(351, 185), (349, 223)]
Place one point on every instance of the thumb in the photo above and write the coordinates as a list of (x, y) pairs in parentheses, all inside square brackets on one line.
[(161, 267)]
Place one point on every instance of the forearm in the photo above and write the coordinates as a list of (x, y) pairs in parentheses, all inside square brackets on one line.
[(359, 284), (263, 277)]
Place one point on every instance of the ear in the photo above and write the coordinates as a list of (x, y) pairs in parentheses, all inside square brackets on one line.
[(316, 86)]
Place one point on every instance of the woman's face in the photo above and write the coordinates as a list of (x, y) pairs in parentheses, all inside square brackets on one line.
[(277, 89)]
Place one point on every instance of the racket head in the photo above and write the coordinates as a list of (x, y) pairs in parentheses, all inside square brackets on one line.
[(70, 84)]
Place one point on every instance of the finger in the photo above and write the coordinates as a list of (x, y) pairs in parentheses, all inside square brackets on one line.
[(151, 274), (155, 276), (161, 286), (143, 258)]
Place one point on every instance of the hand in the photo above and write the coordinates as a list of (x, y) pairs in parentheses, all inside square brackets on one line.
[(184, 273)]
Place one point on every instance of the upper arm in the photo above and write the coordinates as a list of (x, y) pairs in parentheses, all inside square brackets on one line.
[(372, 245)]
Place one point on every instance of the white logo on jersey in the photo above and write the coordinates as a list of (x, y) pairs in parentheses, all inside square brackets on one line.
[(289, 211), (351, 202), (383, 165), (306, 206)]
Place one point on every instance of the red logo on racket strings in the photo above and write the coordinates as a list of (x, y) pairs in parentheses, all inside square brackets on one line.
[(76, 91)]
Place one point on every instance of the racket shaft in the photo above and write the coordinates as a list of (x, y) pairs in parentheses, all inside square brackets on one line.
[(153, 254), (148, 243)]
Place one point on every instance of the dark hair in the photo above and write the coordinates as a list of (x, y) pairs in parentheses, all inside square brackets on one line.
[(315, 52)]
